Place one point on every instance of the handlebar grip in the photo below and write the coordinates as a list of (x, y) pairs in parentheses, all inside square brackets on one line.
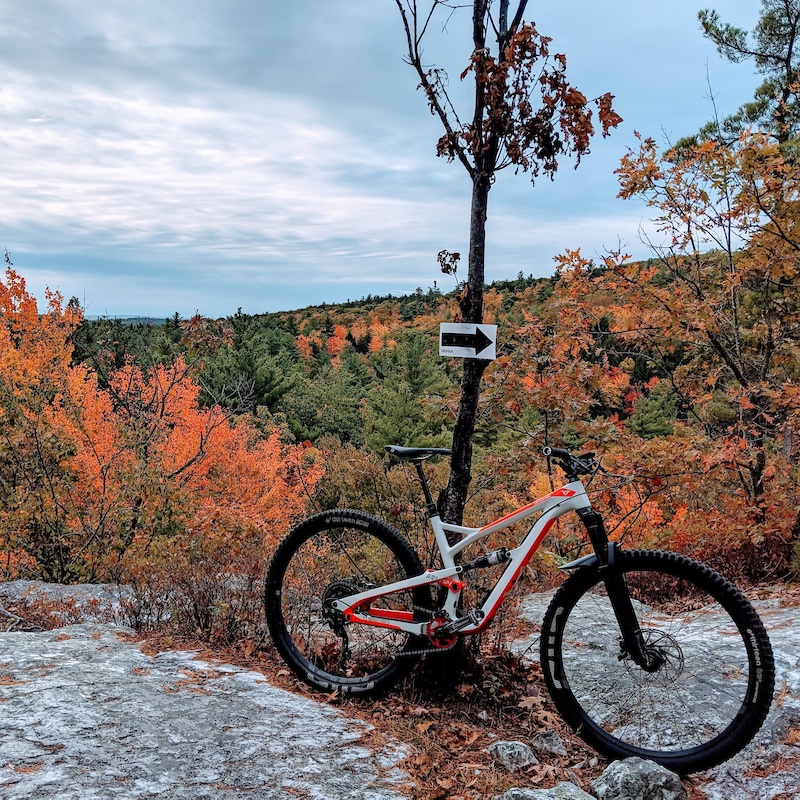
[(557, 452)]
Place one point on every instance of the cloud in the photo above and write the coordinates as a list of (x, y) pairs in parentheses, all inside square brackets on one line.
[(204, 155), (250, 184)]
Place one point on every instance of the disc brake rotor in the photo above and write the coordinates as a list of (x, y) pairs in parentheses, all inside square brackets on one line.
[(669, 653)]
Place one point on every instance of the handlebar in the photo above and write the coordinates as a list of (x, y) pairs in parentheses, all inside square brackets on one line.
[(555, 452)]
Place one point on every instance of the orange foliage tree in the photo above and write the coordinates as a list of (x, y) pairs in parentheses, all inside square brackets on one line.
[(34, 371), (93, 479), (715, 317)]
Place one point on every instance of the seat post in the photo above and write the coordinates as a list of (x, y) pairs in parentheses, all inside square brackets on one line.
[(433, 511)]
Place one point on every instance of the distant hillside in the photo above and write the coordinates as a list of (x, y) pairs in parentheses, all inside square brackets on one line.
[(128, 320), (404, 308)]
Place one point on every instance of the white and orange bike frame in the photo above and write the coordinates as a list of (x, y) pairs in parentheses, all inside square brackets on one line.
[(358, 608)]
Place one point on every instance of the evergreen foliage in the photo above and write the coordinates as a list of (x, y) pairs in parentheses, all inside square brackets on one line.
[(395, 409), (773, 48), (654, 413), (326, 403)]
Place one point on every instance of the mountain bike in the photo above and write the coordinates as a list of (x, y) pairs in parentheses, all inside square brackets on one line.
[(644, 652)]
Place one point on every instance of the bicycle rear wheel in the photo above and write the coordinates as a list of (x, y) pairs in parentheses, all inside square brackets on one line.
[(329, 556), (715, 675)]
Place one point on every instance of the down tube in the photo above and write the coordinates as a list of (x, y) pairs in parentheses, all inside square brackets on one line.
[(520, 556)]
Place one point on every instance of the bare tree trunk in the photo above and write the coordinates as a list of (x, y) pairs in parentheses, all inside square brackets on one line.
[(454, 496)]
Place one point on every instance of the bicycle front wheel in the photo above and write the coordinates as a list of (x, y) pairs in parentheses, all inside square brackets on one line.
[(710, 684), (332, 555)]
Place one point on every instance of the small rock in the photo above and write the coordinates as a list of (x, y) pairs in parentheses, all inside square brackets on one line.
[(563, 791), (638, 779), (549, 742), (513, 755)]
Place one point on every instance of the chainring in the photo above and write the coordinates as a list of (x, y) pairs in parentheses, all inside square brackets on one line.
[(437, 636)]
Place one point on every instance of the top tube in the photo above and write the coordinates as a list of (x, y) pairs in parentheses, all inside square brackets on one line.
[(569, 497)]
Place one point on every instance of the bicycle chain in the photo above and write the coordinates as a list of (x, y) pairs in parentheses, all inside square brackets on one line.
[(431, 651)]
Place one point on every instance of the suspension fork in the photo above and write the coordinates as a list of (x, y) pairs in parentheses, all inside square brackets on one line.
[(618, 594)]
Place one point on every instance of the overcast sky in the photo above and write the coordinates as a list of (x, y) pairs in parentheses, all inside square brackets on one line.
[(208, 155)]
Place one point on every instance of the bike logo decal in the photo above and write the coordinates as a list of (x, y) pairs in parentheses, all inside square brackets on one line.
[(343, 520)]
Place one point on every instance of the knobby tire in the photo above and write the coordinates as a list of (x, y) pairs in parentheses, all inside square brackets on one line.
[(713, 689), (330, 555)]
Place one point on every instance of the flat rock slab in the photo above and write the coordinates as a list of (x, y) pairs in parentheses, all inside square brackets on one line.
[(86, 715)]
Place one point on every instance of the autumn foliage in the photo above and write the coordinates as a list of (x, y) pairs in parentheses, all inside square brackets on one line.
[(683, 369), (98, 482)]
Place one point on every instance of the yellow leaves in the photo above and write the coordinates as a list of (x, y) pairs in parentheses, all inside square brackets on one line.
[(492, 303), (640, 172), (379, 331)]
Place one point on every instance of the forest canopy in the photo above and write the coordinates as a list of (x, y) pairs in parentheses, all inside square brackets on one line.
[(176, 453)]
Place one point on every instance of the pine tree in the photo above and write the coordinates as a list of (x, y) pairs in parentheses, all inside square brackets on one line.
[(654, 413), (773, 47)]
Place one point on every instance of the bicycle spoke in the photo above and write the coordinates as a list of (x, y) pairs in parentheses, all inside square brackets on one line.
[(327, 561), (674, 700)]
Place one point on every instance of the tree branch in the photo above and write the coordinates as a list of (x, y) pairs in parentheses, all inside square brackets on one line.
[(413, 42)]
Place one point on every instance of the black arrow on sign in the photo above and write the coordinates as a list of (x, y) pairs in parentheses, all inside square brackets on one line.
[(479, 341)]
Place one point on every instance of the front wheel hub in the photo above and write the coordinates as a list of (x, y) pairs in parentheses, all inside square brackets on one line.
[(664, 656)]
